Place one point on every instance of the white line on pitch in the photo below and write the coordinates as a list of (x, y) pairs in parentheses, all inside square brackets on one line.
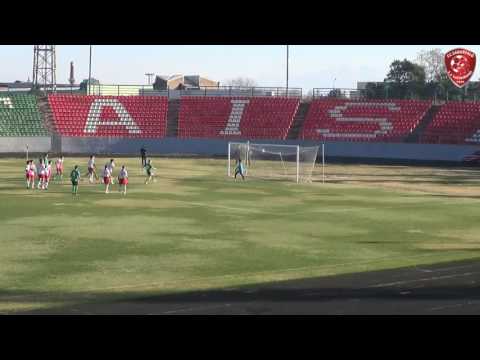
[(446, 307), (433, 278), (454, 305), (447, 268)]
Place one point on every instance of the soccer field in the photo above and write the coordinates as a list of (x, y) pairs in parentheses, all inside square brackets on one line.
[(197, 229)]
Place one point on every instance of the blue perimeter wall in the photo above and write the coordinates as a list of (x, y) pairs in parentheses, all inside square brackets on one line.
[(218, 147)]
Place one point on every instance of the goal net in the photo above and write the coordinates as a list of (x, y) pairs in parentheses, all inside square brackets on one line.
[(270, 161)]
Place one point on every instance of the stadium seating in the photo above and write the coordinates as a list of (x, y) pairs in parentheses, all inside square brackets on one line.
[(19, 116), (112, 116), (364, 120), (454, 123), (236, 117)]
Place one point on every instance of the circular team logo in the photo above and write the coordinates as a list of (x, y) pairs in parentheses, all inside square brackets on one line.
[(460, 64)]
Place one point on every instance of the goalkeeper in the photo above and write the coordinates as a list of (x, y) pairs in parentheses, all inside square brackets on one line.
[(239, 169)]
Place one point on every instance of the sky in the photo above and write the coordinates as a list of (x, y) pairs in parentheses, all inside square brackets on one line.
[(310, 66)]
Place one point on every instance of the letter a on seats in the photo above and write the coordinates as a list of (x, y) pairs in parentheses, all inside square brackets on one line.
[(93, 119), (7, 101)]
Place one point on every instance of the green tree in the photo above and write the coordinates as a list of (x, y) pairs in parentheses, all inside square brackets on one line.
[(84, 83), (404, 72), (446, 90), (406, 80), (241, 82), (335, 93), (35, 90), (474, 90), (434, 64), (375, 90)]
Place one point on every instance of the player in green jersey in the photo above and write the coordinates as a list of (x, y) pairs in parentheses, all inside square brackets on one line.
[(75, 178), (149, 170)]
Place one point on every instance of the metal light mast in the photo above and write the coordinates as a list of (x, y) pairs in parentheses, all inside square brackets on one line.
[(89, 71), (44, 67), (287, 68)]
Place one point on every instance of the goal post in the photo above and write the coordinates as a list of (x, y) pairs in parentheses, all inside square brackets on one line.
[(229, 160), (298, 163), (274, 161), (323, 163)]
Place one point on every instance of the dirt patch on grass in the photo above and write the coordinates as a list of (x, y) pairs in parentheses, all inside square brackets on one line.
[(445, 181), (450, 246), (141, 204), (171, 186), (210, 244), (242, 191), (417, 188), (34, 193)]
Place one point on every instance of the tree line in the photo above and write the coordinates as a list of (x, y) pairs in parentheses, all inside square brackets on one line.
[(423, 78)]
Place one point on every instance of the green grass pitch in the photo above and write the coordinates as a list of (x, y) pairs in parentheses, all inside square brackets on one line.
[(197, 229)]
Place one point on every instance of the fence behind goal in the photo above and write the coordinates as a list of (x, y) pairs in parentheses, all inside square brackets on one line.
[(271, 161)]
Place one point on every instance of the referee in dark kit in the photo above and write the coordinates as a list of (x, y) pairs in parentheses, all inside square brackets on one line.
[(143, 153)]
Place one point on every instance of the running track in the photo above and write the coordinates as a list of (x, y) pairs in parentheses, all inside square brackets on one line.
[(452, 288)]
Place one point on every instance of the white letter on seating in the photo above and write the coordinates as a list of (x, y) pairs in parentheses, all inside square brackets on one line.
[(233, 124), (337, 113), (7, 101), (474, 138), (93, 119)]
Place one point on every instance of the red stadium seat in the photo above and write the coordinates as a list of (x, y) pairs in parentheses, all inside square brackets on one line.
[(254, 118), (454, 123), (133, 116), (362, 120)]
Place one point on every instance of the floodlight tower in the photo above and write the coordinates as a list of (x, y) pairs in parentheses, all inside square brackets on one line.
[(44, 67), (288, 58)]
